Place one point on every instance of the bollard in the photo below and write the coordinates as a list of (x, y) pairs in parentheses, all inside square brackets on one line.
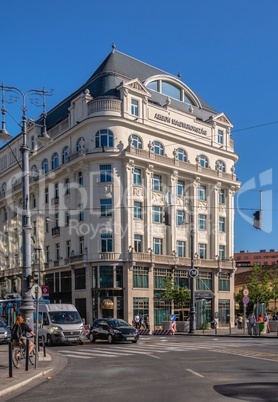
[(27, 354), (10, 360)]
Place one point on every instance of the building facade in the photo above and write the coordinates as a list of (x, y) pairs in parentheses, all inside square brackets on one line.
[(263, 258), (138, 165)]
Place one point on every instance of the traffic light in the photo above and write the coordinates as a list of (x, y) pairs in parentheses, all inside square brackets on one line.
[(257, 220)]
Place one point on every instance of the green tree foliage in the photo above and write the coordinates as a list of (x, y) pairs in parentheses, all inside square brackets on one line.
[(274, 283), (173, 293)]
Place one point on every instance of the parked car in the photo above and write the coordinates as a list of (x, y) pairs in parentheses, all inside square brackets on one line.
[(5, 332), (113, 330)]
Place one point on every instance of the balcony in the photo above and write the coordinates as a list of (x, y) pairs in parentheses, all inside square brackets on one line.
[(105, 105), (55, 201), (56, 231)]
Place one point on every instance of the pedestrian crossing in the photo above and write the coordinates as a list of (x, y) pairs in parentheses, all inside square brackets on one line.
[(157, 349)]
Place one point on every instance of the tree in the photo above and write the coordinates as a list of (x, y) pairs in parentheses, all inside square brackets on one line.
[(274, 285), (173, 293)]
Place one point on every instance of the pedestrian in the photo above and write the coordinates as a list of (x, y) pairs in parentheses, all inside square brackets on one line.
[(147, 323), (137, 321), (142, 323), (239, 322), (252, 324), (20, 332), (266, 320)]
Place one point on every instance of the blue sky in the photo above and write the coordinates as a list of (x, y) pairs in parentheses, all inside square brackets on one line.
[(226, 51)]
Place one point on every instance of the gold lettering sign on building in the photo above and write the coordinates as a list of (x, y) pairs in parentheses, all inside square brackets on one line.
[(107, 304)]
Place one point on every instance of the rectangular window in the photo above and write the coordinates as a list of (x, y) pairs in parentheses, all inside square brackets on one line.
[(56, 220), (67, 185), (221, 196), (220, 136), (180, 220), (137, 210), (141, 306), (106, 242), (57, 251), (204, 281), (105, 173), (67, 218), (221, 224), (68, 248), (157, 245), (106, 276), (202, 222), (181, 278), (224, 282), (137, 177), (46, 195), (80, 179), (156, 182), (134, 107), (180, 187), (106, 207), (81, 245), (202, 250), (56, 190), (157, 214), (222, 252), (80, 278), (180, 248), (138, 243), (159, 277), (32, 142), (140, 277), (202, 193), (224, 311)]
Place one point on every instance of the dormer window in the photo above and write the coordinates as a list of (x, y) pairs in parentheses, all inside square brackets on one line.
[(134, 107)]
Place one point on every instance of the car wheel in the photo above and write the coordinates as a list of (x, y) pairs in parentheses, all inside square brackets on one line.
[(92, 338), (110, 339), (49, 340), (134, 341)]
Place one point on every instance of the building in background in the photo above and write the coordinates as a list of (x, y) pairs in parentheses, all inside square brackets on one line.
[(246, 259), (134, 152)]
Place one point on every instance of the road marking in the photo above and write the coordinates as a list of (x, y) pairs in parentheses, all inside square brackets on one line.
[(78, 356), (195, 373)]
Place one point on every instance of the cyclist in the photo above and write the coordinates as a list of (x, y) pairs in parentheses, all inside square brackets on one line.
[(20, 332)]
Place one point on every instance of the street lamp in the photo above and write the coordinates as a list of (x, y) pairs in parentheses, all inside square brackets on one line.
[(27, 305)]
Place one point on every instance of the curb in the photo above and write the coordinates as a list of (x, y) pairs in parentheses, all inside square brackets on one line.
[(25, 382)]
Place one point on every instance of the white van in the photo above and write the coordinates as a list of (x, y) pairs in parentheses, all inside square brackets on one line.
[(60, 323)]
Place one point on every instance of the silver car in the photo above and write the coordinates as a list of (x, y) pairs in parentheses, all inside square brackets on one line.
[(5, 332)]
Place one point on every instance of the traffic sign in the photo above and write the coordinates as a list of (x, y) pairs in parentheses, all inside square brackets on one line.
[(245, 292), (45, 290), (36, 292), (245, 300), (193, 272)]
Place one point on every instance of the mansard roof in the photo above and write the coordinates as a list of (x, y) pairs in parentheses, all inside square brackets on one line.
[(112, 72)]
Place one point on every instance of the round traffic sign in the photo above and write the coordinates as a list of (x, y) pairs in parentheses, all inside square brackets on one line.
[(193, 272), (245, 292), (245, 300)]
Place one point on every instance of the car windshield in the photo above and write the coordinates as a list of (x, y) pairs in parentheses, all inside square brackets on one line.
[(64, 317), (118, 323), (2, 324)]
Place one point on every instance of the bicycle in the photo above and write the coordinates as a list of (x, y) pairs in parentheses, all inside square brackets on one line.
[(19, 355)]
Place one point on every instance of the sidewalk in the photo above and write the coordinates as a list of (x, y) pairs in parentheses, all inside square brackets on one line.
[(47, 366), (228, 332)]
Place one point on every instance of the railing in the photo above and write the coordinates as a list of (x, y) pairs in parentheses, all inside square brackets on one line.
[(142, 153), (103, 105), (56, 231), (59, 128)]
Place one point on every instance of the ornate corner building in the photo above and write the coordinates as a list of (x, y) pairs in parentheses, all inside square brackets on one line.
[(135, 153)]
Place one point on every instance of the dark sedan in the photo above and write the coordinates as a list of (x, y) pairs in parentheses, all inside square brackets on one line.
[(113, 330)]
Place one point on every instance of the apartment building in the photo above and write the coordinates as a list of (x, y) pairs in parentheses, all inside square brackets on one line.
[(138, 165)]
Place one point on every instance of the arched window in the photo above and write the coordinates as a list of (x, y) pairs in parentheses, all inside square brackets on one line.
[(80, 144), (220, 165), (157, 148), (203, 161), (104, 138), (65, 154), (45, 166), (136, 141), (181, 155), (55, 161)]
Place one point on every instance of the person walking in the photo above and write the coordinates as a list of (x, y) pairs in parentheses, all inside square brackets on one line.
[(239, 322), (252, 324), (147, 323), (137, 321), (266, 320)]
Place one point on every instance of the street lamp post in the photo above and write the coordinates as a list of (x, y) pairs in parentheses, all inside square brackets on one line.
[(27, 305), (192, 273)]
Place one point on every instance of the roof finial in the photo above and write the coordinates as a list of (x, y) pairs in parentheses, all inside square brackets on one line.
[(113, 46), (179, 75)]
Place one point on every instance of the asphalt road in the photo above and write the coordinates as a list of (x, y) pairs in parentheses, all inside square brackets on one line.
[(179, 368)]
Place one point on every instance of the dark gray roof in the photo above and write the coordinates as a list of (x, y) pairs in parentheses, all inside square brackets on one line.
[(116, 68)]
